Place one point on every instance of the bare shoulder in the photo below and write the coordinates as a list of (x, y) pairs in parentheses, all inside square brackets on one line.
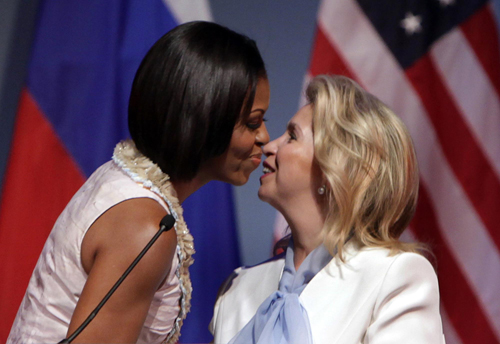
[(109, 247), (125, 229)]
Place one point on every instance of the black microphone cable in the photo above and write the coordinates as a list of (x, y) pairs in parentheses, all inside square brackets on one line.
[(166, 224)]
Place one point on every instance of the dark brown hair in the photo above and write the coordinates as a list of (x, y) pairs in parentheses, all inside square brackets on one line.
[(191, 89)]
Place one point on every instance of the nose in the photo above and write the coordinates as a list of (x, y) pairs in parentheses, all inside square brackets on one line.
[(270, 148), (262, 137)]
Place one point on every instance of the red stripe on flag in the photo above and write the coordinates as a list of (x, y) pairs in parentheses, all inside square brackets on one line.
[(470, 165), (462, 305), (40, 180), (325, 59), (484, 45)]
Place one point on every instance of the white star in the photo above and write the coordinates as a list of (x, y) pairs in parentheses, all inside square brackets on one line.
[(412, 23), (445, 3)]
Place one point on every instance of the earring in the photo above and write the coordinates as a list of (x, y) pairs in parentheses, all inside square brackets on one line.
[(322, 190)]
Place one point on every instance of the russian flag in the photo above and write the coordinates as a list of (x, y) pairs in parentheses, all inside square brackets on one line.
[(72, 112)]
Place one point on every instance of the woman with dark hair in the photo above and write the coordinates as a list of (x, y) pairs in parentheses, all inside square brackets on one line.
[(344, 175), (196, 114)]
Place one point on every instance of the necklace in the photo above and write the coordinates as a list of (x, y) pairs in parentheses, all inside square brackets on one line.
[(142, 170)]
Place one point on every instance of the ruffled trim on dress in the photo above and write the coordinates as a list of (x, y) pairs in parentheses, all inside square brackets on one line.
[(144, 171)]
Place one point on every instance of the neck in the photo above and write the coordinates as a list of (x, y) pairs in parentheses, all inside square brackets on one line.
[(184, 189), (306, 224)]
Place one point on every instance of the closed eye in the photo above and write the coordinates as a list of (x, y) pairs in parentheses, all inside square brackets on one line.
[(256, 124), (291, 132)]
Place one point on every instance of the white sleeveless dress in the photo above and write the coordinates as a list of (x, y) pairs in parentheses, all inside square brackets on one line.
[(59, 277)]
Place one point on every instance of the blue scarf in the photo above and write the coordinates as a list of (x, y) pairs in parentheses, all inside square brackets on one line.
[(281, 318)]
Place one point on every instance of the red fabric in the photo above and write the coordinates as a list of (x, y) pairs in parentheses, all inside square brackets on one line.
[(459, 145), (325, 59), (471, 329), (485, 45), (38, 161)]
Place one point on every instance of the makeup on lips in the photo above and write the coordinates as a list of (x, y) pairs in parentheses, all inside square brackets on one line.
[(267, 170)]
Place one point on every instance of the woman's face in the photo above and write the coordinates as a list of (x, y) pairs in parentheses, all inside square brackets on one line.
[(291, 174), (245, 149)]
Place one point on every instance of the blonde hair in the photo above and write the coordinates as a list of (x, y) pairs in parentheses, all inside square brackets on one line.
[(369, 164)]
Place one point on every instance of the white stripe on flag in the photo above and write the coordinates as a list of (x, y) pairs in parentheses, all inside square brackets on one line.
[(188, 10), (471, 90), (450, 334), (345, 24)]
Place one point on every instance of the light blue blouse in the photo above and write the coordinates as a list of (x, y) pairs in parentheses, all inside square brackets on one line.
[(281, 318)]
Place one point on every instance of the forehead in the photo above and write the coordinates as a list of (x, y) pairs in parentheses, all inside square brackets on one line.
[(303, 118), (262, 94)]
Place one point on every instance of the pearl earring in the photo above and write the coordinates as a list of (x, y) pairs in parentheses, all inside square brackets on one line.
[(322, 190)]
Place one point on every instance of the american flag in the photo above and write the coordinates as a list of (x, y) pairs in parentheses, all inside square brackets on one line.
[(436, 64)]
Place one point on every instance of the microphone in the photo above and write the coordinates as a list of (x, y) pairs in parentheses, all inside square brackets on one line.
[(166, 224)]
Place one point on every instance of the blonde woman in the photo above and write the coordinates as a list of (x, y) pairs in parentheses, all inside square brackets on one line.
[(345, 177)]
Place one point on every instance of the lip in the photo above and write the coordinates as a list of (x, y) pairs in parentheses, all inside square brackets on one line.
[(266, 164), (256, 159)]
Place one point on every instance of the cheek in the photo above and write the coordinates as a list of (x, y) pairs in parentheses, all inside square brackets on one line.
[(241, 144), (295, 171)]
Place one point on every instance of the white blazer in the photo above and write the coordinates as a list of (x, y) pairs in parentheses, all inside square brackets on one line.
[(372, 298)]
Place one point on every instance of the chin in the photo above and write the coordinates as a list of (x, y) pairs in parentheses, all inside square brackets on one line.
[(238, 180), (263, 196), (270, 197)]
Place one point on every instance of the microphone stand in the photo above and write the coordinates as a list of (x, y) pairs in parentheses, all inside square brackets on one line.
[(165, 225)]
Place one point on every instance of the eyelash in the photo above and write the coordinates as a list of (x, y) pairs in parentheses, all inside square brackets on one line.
[(256, 126), (291, 136)]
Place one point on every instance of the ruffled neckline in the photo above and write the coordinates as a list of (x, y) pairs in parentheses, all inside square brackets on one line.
[(143, 171)]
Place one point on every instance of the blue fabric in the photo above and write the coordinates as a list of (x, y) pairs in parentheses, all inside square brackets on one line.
[(281, 318), (84, 58)]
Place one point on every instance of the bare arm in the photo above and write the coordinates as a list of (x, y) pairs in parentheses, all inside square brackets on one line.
[(108, 248)]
